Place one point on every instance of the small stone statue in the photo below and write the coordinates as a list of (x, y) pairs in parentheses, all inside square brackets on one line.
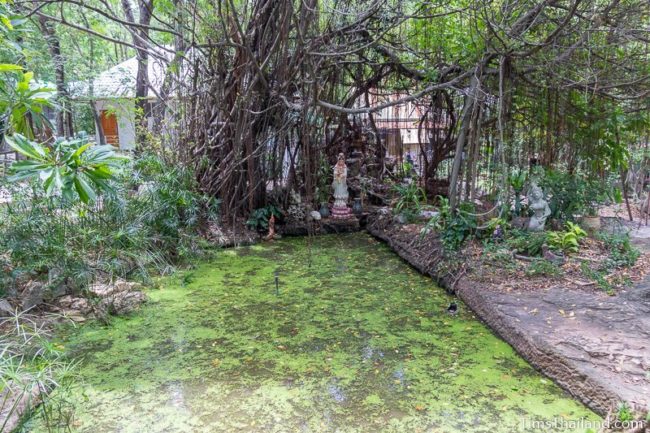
[(271, 235), (540, 209), (340, 185)]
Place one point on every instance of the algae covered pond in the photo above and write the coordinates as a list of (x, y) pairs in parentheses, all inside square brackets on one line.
[(353, 340)]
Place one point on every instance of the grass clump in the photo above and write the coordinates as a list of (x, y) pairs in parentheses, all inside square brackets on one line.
[(35, 369)]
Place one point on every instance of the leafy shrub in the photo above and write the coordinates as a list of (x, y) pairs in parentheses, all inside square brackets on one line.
[(147, 220), (455, 228), (259, 218), (527, 243), (571, 194), (621, 253), (22, 107), (68, 166), (567, 241), (410, 198)]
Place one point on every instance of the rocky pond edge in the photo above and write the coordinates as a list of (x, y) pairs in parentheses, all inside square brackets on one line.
[(589, 387)]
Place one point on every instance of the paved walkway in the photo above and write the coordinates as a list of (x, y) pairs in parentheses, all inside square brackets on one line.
[(605, 338), (597, 347)]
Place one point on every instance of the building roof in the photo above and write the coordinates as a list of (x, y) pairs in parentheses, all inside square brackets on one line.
[(119, 81)]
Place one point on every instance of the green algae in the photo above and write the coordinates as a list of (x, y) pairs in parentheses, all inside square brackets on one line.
[(356, 341)]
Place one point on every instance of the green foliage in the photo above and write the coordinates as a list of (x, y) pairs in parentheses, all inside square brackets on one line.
[(517, 180), (324, 176), (624, 413), (544, 268), (527, 243), (571, 194), (28, 361), (498, 256), (567, 241), (599, 277), (410, 198), (168, 202), (124, 233), (21, 105), (259, 218), (75, 168), (454, 228), (621, 252), (492, 225)]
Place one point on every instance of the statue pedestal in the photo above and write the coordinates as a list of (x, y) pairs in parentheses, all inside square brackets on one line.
[(341, 212)]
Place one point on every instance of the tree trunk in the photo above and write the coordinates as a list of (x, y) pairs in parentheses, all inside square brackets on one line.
[(140, 36), (98, 123), (465, 121), (64, 126)]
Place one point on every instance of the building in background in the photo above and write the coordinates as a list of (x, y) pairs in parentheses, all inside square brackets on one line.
[(112, 94), (401, 127)]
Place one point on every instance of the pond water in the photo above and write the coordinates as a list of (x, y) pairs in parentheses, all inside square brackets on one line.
[(351, 340)]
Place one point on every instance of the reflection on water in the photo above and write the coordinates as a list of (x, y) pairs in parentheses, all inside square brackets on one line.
[(356, 342)]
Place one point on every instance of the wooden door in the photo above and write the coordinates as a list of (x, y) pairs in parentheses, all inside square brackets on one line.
[(109, 125)]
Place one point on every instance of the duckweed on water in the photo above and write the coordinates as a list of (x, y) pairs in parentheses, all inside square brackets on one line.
[(356, 342)]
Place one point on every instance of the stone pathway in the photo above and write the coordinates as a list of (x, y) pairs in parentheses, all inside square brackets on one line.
[(600, 344), (604, 341), (640, 236), (597, 347)]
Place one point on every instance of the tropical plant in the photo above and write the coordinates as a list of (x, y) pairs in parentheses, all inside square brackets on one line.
[(75, 168), (259, 218), (454, 227), (21, 105), (410, 197), (567, 241), (148, 221), (517, 180), (527, 243)]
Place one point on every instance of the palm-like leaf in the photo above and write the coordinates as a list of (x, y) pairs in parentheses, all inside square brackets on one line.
[(72, 167)]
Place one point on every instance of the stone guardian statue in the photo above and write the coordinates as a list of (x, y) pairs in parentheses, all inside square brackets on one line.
[(540, 209)]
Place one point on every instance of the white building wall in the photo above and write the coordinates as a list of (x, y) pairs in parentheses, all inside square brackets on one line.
[(124, 110)]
